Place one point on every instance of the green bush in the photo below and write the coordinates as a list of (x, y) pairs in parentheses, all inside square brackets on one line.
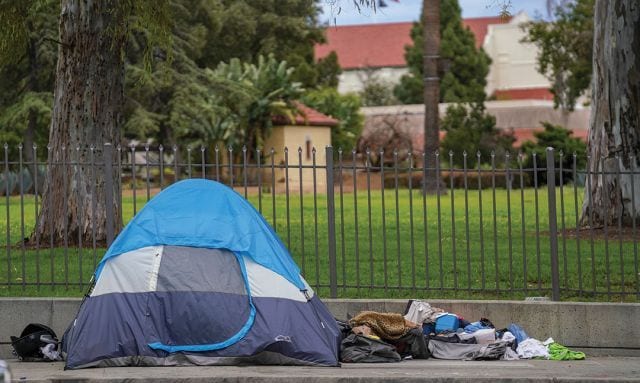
[(343, 107), (470, 129), (561, 140)]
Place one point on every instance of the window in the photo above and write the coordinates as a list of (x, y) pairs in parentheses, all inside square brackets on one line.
[(307, 144)]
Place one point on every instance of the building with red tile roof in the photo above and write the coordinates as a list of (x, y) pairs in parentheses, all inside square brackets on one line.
[(367, 46), (377, 51), (382, 45), (306, 116)]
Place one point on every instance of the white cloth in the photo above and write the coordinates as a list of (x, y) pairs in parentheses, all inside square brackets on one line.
[(49, 351), (532, 348), (509, 354), (465, 335), (422, 312), (485, 335), (507, 336)]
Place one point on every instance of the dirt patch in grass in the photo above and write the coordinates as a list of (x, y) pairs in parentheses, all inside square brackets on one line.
[(599, 233)]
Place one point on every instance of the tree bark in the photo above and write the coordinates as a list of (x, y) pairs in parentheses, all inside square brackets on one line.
[(614, 137), (431, 30), (87, 111)]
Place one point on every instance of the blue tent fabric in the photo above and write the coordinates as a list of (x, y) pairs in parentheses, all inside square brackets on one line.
[(177, 216), (227, 342), (198, 277)]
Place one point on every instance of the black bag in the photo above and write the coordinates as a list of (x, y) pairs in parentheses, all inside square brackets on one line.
[(344, 327), (413, 343), (32, 339), (361, 349)]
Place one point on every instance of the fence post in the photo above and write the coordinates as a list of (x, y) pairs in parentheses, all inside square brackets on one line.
[(553, 224), (108, 190), (331, 222)]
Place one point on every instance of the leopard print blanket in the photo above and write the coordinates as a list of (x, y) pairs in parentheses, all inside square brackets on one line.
[(385, 325)]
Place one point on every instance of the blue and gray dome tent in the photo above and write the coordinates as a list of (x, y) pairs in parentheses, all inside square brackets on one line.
[(198, 277)]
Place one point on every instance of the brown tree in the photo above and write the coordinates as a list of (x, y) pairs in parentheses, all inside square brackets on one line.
[(612, 190), (431, 22), (88, 111)]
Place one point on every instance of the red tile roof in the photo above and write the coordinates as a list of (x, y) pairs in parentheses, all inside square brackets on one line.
[(306, 116), (523, 94), (372, 45), (382, 45)]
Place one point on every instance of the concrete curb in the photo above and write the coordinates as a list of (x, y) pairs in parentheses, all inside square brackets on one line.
[(599, 328), (412, 371)]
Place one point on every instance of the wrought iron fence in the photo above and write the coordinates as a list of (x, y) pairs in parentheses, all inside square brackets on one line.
[(357, 224)]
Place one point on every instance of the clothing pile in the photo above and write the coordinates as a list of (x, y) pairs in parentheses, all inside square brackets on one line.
[(424, 331)]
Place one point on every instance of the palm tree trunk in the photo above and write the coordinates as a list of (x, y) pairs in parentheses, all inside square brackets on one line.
[(431, 22)]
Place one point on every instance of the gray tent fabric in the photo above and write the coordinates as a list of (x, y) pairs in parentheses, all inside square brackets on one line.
[(196, 269), (492, 351), (452, 351), (462, 351)]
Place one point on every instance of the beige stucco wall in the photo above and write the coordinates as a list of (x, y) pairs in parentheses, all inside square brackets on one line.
[(510, 114), (294, 137), (513, 63)]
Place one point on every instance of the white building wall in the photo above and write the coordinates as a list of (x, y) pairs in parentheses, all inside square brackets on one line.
[(353, 80), (513, 61)]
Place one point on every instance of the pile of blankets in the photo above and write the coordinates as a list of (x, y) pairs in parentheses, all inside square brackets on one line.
[(424, 331)]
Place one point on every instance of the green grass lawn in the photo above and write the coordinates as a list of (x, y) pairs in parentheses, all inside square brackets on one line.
[(387, 254)]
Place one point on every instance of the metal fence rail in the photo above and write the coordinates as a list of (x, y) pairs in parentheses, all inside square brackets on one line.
[(357, 224)]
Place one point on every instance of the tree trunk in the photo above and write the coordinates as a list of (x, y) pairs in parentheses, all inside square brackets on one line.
[(431, 23), (87, 111), (614, 134), (32, 86)]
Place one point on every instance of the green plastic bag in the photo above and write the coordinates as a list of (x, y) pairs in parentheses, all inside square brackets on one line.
[(560, 352)]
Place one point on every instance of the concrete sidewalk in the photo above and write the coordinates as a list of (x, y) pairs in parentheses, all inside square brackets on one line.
[(597, 369)]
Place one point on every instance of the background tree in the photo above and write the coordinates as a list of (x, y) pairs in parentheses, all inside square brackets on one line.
[(250, 28), (440, 37), (390, 134), (465, 78), (328, 71), (565, 46), (88, 101), (345, 108), (472, 130), (377, 92), (431, 59), (168, 99), (560, 139), (614, 132), (26, 70), (271, 91)]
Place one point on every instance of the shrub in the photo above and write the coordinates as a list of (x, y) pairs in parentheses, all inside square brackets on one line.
[(560, 139), (469, 128)]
